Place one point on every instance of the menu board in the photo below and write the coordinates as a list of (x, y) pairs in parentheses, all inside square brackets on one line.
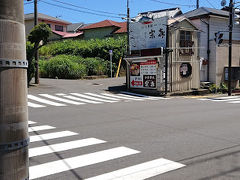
[(143, 74)]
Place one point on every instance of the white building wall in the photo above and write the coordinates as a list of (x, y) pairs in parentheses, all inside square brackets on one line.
[(216, 24)]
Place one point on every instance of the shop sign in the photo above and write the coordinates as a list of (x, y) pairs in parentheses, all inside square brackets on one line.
[(143, 74), (148, 35)]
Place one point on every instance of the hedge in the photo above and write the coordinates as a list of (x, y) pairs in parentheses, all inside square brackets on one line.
[(87, 48), (74, 67)]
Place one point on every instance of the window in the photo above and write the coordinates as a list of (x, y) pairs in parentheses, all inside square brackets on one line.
[(186, 43), (49, 25), (58, 28)]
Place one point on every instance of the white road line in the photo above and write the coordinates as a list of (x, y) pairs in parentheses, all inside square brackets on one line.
[(133, 94), (38, 151), (144, 98), (225, 100), (49, 136), (31, 122), (83, 100), (92, 98), (61, 99), (122, 97), (54, 167), (234, 102), (141, 171), (40, 128), (142, 95), (99, 96), (229, 97), (33, 105), (44, 101)]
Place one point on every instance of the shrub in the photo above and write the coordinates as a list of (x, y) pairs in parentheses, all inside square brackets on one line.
[(213, 88), (62, 67)]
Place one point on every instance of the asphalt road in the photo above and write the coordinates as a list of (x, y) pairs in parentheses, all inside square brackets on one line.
[(202, 136)]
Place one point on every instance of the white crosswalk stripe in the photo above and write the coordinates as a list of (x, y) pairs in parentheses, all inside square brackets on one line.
[(31, 122), (63, 146), (228, 99), (50, 136), (141, 171), (104, 97), (92, 98), (35, 105), (40, 128), (44, 101), (66, 99), (46, 169), (61, 99), (80, 99)]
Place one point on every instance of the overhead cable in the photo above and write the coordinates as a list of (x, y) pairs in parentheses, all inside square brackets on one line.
[(174, 4), (73, 5), (80, 11)]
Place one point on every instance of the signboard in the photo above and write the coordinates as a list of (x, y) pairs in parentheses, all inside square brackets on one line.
[(148, 35), (143, 74), (185, 70)]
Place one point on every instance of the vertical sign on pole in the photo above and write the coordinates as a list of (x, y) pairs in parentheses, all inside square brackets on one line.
[(111, 54)]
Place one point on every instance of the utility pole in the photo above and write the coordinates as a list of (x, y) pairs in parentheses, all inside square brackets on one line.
[(37, 54), (197, 4), (128, 23), (231, 6), (166, 59), (128, 42), (14, 137)]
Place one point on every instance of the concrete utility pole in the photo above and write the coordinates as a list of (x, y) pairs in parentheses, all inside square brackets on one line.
[(231, 6), (128, 23), (14, 137), (37, 54)]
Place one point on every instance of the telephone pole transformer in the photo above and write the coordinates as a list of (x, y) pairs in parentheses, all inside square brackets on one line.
[(14, 136)]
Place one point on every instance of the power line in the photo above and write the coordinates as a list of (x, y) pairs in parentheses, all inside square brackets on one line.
[(105, 12), (210, 4), (80, 10), (174, 4)]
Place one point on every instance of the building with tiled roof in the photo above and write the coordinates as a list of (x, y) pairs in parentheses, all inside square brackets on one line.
[(103, 29), (58, 26)]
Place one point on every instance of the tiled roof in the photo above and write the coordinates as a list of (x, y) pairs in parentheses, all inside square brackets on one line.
[(66, 34), (44, 16), (105, 23), (206, 11), (123, 28)]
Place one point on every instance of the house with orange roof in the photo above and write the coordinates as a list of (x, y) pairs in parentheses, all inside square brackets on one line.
[(58, 26), (103, 29)]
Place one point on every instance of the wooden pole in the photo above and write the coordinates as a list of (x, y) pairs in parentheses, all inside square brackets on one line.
[(13, 92)]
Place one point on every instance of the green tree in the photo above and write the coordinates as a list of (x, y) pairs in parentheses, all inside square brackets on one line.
[(38, 37)]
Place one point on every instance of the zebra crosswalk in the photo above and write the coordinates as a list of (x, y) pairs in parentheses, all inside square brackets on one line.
[(63, 99), (49, 167), (225, 99)]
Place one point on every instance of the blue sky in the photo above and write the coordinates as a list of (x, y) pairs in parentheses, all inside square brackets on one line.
[(90, 11)]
